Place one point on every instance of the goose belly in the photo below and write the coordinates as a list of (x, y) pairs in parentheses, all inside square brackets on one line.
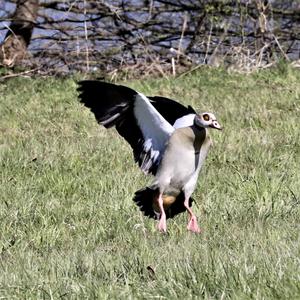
[(177, 169), (183, 170)]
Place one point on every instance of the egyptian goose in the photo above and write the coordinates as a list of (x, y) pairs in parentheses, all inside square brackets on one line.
[(168, 140)]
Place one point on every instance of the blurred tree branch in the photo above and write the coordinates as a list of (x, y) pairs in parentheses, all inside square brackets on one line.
[(18, 36), (127, 32)]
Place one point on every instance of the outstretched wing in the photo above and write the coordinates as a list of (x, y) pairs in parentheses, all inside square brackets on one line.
[(134, 117)]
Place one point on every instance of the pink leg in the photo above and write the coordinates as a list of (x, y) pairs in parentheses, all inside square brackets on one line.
[(192, 224), (162, 224)]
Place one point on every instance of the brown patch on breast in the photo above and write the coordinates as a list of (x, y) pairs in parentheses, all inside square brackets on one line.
[(168, 201)]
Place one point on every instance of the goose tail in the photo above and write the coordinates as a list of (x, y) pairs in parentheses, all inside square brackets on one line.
[(145, 199)]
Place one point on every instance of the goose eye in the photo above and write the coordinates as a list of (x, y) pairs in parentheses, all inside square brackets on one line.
[(206, 117)]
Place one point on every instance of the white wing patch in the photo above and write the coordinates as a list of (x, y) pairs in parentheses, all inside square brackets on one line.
[(155, 129), (184, 121)]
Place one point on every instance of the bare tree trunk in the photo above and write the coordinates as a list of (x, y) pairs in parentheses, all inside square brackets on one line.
[(17, 39)]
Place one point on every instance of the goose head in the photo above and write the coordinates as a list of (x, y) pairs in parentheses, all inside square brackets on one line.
[(207, 120)]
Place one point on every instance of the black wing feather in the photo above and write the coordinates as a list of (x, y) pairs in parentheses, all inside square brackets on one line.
[(170, 109), (112, 106), (108, 102)]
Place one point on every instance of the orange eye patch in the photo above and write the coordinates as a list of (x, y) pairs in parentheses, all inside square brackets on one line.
[(206, 117)]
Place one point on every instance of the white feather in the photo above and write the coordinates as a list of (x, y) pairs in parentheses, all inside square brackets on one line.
[(110, 119), (184, 121), (155, 129)]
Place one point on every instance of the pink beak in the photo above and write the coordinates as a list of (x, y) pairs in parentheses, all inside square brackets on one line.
[(215, 125)]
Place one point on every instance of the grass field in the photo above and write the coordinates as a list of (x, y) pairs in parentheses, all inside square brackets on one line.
[(70, 230)]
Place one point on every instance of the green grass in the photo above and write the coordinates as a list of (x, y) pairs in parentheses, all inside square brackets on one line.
[(68, 225)]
